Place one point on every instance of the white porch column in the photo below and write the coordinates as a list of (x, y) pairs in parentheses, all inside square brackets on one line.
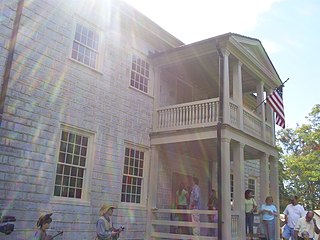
[(272, 122), (269, 117), (274, 187), (239, 187), (226, 87), (225, 188), (264, 178), (237, 91), (152, 188), (261, 108), (156, 89)]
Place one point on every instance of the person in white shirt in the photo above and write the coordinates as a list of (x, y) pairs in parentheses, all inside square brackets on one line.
[(292, 213), (306, 227)]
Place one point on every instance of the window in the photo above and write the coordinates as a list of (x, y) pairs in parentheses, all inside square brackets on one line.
[(252, 185), (140, 72), (132, 180), (85, 46), (231, 187), (72, 165)]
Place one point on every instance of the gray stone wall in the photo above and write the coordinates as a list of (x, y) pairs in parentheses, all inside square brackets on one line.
[(47, 90)]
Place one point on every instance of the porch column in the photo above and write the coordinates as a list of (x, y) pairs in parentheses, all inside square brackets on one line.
[(269, 117), (272, 122), (264, 177), (239, 187), (237, 92), (261, 108), (274, 187), (157, 80), (225, 188), (226, 87), (152, 188)]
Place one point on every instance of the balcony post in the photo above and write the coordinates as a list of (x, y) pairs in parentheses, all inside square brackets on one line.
[(226, 87), (156, 102), (239, 187), (237, 92), (272, 122), (225, 188), (274, 187), (261, 108), (152, 188)]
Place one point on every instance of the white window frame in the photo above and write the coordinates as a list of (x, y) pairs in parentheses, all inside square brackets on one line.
[(88, 166), (138, 72), (83, 23), (254, 189), (144, 177)]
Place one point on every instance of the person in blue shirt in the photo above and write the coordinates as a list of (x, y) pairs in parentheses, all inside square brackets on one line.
[(269, 212)]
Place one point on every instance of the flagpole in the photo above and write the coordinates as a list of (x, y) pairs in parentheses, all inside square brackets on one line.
[(269, 95)]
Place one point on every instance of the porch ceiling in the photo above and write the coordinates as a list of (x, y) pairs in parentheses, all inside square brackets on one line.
[(204, 71), (206, 150)]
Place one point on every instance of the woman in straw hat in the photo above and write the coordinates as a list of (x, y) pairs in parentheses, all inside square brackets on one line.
[(104, 225), (43, 224)]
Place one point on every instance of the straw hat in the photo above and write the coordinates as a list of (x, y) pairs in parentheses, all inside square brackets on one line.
[(44, 219), (105, 208)]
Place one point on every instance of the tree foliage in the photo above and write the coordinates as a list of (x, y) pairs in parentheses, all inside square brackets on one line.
[(300, 161)]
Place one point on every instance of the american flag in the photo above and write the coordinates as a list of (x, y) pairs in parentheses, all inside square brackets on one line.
[(276, 103)]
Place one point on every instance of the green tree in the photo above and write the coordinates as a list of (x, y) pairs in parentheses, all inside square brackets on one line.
[(300, 161)]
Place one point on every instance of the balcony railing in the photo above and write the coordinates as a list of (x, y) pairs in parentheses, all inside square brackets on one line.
[(205, 113), (186, 115), (164, 225)]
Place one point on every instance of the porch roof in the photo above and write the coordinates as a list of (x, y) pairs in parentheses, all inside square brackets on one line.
[(201, 59)]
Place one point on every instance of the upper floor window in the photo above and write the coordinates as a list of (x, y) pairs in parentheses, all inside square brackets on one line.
[(252, 185), (72, 165), (133, 175), (85, 46), (140, 74)]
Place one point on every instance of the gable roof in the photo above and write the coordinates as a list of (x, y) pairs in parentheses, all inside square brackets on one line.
[(248, 50), (255, 48)]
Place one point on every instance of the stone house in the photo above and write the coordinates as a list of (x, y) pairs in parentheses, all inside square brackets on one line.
[(100, 104)]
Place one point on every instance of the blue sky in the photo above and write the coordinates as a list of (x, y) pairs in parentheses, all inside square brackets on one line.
[(288, 29)]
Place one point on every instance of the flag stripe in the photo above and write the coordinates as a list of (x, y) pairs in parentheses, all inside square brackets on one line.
[(276, 103)]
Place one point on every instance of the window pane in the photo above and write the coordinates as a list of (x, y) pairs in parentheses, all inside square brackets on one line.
[(64, 136), (63, 147), (62, 157), (79, 183), (58, 180)]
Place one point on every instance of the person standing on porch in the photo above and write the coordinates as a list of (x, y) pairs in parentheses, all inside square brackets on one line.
[(182, 196), (213, 205), (195, 205), (292, 213), (269, 212), (250, 209)]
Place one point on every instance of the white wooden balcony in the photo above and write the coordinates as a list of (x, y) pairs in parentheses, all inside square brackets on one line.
[(204, 113)]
